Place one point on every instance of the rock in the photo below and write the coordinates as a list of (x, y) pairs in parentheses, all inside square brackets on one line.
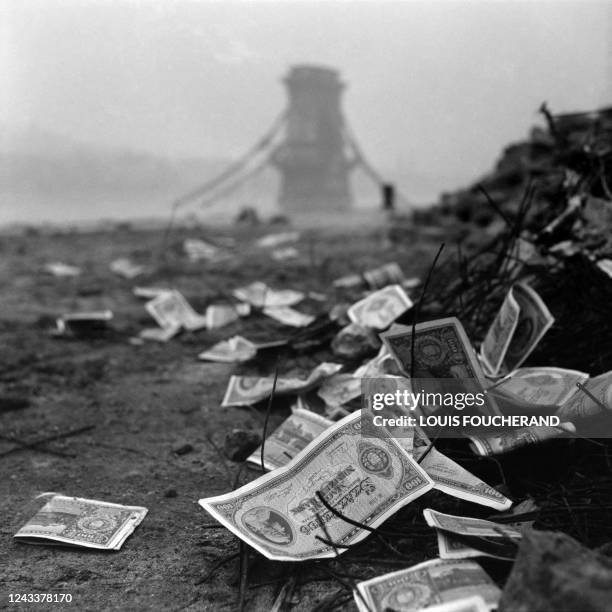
[(240, 443), (171, 493), (182, 449), (552, 571)]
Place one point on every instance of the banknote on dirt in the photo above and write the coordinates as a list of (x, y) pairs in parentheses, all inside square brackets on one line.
[(248, 390), (220, 315), (520, 324), (258, 294), (293, 436), (427, 584), (172, 309), (288, 316), (281, 515), (453, 479), (234, 350), (379, 309), (81, 522), (126, 268), (340, 389)]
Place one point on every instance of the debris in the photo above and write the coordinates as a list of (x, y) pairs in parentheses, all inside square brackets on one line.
[(182, 448), (87, 523), (285, 254), (240, 443), (149, 293), (554, 572)]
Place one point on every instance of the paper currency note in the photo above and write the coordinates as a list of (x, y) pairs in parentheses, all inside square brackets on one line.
[(501, 355), (281, 516), (197, 250), (274, 240), (543, 386), (441, 350), (468, 526), (126, 268), (172, 309), (81, 522), (465, 604), (511, 440), (248, 390), (293, 436), (452, 547), (288, 316), (453, 479), (379, 309), (580, 405), (220, 315), (377, 278), (499, 336), (260, 295), (427, 584), (340, 389), (234, 350), (148, 293), (159, 334)]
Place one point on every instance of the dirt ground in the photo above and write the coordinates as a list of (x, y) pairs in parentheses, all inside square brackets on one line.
[(142, 402)]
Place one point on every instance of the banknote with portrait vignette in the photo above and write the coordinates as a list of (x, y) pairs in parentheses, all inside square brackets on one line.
[(280, 515), (442, 350)]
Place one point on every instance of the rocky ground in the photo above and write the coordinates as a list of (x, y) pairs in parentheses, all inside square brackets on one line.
[(150, 427)]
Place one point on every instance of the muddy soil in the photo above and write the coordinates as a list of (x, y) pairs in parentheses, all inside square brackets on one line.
[(138, 404)]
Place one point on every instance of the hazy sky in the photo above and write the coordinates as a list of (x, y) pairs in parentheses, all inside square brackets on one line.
[(435, 87)]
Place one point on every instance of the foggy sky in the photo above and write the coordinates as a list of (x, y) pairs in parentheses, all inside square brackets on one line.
[(435, 88)]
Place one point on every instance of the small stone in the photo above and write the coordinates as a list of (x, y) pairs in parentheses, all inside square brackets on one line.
[(171, 493), (240, 443), (182, 449)]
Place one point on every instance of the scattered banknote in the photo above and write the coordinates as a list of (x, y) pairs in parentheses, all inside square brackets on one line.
[(84, 322), (220, 315), (453, 479), (285, 253), (248, 390), (381, 365), (81, 522), (542, 386), (172, 309), (340, 389), (348, 281), (293, 435), (580, 405), (281, 516), (468, 526), (448, 525), (288, 316), (605, 265), (126, 268), (427, 584), (198, 250), (258, 294), (441, 350), (234, 350), (379, 309), (354, 341), (57, 268), (159, 334), (511, 440), (274, 240), (387, 274), (148, 293), (517, 328), (465, 604)]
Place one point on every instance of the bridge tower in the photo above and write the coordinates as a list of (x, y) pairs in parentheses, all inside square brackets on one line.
[(312, 158)]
